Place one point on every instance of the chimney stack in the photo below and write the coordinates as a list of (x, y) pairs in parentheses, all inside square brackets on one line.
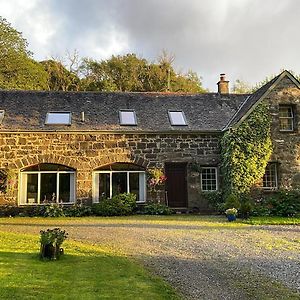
[(223, 85)]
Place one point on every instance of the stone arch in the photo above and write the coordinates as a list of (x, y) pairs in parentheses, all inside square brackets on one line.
[(101, 161), (31, 160)]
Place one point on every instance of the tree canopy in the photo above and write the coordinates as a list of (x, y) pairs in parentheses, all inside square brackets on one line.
[(129, 73), (17, 68)]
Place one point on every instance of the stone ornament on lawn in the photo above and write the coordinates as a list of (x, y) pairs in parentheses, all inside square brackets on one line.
[(51, 241)]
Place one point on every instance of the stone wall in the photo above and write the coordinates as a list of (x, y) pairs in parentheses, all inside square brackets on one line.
[(88, 151), (286, 145)]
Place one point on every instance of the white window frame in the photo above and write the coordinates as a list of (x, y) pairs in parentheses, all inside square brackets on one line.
[(2, 113), (183, 116), (142, 181), (216, 179), (287, 118), (23, 187), (121, 119), (275, 187), (58, 112)]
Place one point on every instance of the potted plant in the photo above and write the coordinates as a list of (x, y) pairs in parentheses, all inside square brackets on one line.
[(231, 214), (51, 241)]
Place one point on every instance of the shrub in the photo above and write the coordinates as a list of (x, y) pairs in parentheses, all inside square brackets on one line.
[(54, 210), (22, 211), (283, 203), (51, 240), (119, 205), (77, 210), (246, 206), (232, 201), (215, 200), (157, 209)]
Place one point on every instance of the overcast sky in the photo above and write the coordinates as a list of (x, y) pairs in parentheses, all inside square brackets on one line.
[(246, 39)]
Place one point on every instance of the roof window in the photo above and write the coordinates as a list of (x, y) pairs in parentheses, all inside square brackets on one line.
[(1, 116), (177, 118), (58, 118), (127, 117)]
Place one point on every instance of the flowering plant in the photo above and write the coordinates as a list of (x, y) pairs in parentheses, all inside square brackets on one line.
[(231, 212), (156, 178)]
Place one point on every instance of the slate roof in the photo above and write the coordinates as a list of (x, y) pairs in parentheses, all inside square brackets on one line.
[(26, 110)]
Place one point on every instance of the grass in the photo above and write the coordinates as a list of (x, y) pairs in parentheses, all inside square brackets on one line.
[(84, 272), (273, 221)]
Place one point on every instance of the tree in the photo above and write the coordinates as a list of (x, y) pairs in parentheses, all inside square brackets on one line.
[(17, 68), (59, 78), (129, 73), (242, 87)]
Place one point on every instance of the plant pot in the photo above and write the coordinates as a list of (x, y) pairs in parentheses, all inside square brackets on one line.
[(231, 218)]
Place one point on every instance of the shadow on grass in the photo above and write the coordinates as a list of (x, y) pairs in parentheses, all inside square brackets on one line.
[(82, 275)]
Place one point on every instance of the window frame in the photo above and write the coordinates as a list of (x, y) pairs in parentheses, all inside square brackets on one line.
[(292, 118), (134, 117), (23, 187), (216, 178), (170, 111), (2, 114), (273, 187), (58, 112), (96, 176)]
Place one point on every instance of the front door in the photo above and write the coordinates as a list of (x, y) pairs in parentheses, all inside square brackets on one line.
[(176, 184)]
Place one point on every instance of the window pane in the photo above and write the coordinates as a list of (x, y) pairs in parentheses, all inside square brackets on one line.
[(32, 188), (64, 187), (286, 117), (177, 118), (127, 117), (104, 183), (209, 179), (48, 188), (119, 183), (134, 186), (270, 177), (58, 118)]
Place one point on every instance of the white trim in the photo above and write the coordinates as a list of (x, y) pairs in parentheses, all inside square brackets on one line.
[(142, 180), (286, 118), (216, 178), (22, 195)]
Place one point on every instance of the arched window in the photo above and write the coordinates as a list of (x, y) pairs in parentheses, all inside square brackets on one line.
[(47, 183), (119, 178)]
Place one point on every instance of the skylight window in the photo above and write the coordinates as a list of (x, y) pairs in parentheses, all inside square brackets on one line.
[(1, 116), (58, 118), (177, 118), (127, 117)]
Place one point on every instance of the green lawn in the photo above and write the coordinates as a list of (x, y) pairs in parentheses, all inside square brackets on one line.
[(84, 272)]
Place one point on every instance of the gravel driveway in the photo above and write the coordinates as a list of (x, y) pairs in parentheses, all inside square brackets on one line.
[(203, 258)]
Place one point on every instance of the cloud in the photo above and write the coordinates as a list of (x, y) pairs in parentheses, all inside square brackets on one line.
[(246, 39)]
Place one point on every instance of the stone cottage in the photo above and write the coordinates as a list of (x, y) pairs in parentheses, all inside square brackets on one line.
[(65, 146)]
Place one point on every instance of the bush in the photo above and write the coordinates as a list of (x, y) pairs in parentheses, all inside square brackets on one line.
[(246, 206), (157, 209), (77, 210), (283, 203), (215, 200), (232, 201), (119, 205), (21, 211), (54, 210)]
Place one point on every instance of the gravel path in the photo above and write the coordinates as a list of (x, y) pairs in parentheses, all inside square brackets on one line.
[(202, 260)]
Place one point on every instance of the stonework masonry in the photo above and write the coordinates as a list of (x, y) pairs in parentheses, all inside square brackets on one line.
[(86, 152), (286, 145)]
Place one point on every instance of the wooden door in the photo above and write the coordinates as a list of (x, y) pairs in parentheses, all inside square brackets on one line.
[(176, 185)]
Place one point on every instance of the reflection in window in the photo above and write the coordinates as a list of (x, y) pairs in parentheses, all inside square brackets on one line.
[(270, 178), (209, 180), (286, 118), (177, 118), (108, 183), (47, 186)]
